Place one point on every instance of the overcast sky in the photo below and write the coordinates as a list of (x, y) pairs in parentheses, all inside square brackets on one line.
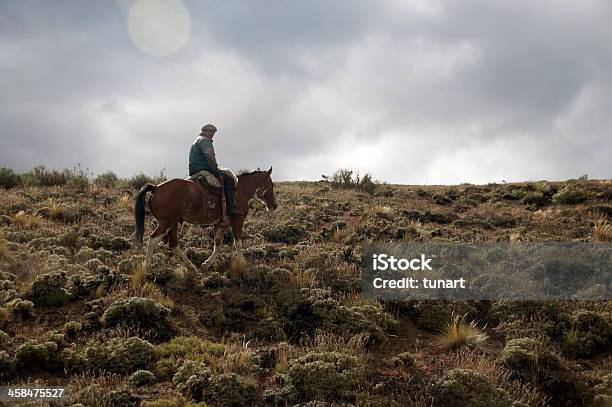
[(412, 91)]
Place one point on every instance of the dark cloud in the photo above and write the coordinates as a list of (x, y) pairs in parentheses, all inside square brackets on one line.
[(412, 91)]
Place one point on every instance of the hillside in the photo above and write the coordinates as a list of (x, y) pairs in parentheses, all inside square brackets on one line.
[(289, 326)]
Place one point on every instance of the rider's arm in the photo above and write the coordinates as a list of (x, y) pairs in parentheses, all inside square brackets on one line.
[(209, 153)]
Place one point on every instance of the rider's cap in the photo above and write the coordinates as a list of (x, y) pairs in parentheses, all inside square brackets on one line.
[(209, 128)]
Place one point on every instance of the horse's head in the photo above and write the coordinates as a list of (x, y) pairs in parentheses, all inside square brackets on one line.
[(265, 190)]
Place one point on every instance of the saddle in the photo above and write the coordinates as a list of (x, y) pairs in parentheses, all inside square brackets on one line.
[(213, 194), (209, 180)]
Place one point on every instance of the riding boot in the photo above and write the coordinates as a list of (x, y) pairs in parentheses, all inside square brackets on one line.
[(232, 207)]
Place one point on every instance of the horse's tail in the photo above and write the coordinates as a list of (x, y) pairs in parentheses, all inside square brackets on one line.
[(139, 212)]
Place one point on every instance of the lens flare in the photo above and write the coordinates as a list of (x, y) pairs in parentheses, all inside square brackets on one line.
[(159, 27)]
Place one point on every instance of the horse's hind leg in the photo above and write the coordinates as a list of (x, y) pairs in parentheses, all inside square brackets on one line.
[(174, 245), (156, 237), (218, 245)]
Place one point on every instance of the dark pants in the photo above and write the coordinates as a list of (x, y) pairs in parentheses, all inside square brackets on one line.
[(228, 182)]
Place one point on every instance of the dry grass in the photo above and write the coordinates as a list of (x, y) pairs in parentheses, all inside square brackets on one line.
[(383, 211), (339, 235), (354, 345), (460, 333), (150, 290), (602, 231), (139, 277), (27, 219), (88, 389), (5, 253)]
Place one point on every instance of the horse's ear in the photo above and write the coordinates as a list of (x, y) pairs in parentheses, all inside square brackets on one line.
[(270, 171)]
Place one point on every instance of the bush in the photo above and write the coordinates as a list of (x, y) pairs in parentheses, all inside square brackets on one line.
[(467, 388), (117, 355), (526, 356), (141, 378), (229, 390), (331, 376), (570, 196), (347, 179), (48, 290), (7, 366), (139, 312), (536, 199), (38, 355), (591, 334), (288, 232), (9, 178), (42, 177), (107, 179), (140, 180)]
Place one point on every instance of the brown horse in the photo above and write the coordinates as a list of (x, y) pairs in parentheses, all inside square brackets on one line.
[(178, 200)]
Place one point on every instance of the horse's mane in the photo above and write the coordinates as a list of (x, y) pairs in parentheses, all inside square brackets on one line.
[(247, 172)]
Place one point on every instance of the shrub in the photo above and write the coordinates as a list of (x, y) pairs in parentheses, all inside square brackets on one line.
[(48, 290), (117, 355), (536, 199), (527, 356), (347, 179), (467, 388), (288, 232), (20, 307), (107, 179), (229, 390), (38, 355), (4, 317), (141, 378), (40, 176), (7, 366), (329, 376), (570, 196), (591, 334), (139, 180), (139, 313), (9, 178), (312, 309), (403, 360)]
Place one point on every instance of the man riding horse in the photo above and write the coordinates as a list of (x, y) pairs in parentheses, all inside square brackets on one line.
[(202, 158)]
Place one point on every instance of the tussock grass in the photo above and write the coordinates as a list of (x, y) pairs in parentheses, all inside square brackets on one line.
[(602, 231), (150, 290), (339, 235), (27, 219), (460, 333), (139, 277)]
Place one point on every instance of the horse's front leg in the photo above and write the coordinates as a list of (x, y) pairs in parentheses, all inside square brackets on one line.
[(218, 245), (237, 224)]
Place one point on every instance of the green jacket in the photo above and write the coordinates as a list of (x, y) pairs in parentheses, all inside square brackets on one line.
[(202, 156)]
